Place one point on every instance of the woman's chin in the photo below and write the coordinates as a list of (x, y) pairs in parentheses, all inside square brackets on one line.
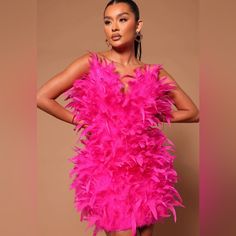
[(120, 45)]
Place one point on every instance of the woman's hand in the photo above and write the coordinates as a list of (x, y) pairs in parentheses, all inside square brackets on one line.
[(84, 125), (79, 122)]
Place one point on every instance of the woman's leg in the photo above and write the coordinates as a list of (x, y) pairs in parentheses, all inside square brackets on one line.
[(146, 230), (120, 233)]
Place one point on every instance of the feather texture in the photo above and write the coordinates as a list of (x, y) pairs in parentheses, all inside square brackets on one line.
[(123, 176)]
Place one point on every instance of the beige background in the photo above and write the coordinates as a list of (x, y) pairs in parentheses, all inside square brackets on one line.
[(19, 189), (66, 29)]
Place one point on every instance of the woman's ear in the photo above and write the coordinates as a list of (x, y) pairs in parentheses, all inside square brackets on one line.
[(139, 25)]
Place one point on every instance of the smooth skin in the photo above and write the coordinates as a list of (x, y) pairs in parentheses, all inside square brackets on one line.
[(143, 231), (117, 18)]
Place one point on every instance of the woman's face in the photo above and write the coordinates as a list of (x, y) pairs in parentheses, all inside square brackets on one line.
[(119, 21)]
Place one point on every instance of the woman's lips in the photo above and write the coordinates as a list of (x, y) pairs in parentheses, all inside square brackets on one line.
[(115, 38)]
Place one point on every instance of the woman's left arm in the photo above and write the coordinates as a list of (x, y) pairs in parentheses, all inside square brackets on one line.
[(187, 110)]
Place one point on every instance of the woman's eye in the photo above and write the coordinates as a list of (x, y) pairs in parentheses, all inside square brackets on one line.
[(123, 19)]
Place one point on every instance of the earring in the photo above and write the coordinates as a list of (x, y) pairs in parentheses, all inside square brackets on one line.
[(138, 37), (107, 42)]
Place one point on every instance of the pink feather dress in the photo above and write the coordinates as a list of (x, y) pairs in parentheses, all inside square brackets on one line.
[(123, 174)]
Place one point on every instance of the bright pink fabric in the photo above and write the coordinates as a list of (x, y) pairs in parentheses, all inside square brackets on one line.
[(123, 176)]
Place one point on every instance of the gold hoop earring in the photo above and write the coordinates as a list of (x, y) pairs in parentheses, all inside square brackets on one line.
[(138, 37), (107, 42)]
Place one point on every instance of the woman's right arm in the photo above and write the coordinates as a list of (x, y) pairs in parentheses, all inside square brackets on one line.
[(58, 84)]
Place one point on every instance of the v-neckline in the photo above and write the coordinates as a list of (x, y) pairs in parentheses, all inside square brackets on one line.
[(134, 76)]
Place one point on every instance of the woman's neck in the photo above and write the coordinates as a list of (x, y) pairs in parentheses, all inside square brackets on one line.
[(124, 58)]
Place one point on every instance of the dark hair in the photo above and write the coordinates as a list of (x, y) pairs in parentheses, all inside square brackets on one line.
[(134, 8)]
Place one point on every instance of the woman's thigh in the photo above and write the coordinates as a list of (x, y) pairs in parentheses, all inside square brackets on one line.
[(145, 230), (119, 233)]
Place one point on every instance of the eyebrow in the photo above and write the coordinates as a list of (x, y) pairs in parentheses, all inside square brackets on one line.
[(108, 17)]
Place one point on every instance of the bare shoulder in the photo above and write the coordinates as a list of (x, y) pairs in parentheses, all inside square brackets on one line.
[(64, 79), (169, 77), (80, 64), (103, 55)]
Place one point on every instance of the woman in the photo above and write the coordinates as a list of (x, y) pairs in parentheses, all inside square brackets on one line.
[(119, 66)]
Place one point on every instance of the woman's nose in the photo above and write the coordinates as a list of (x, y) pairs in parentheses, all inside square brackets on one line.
[(114, 26)]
